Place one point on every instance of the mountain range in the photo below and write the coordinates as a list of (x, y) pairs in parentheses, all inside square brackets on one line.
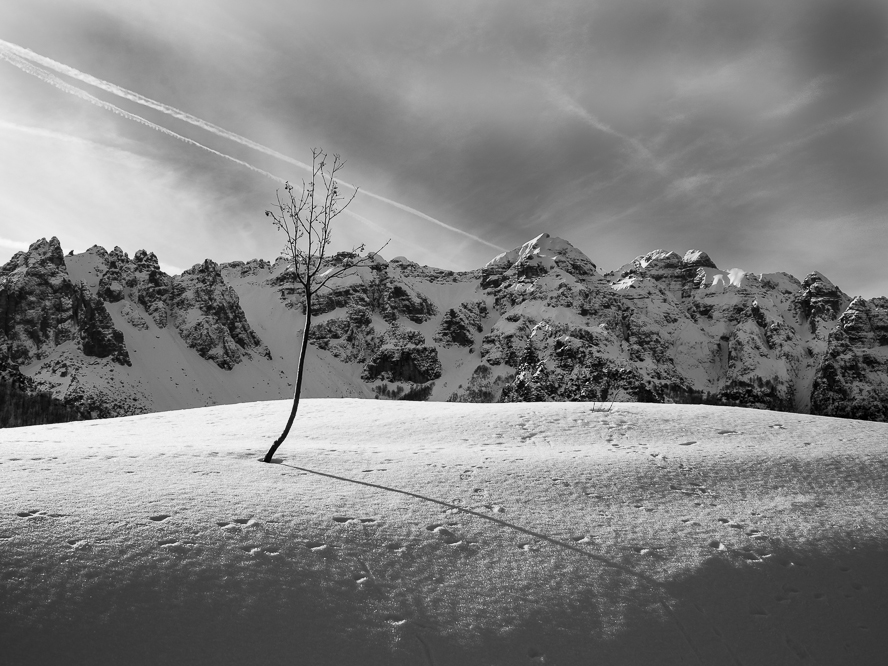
[(104, 334)]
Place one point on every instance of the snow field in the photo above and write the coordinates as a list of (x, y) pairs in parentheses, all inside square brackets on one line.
[(417, 533)]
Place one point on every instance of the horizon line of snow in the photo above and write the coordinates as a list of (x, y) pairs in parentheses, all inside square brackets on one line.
[(27, 55)]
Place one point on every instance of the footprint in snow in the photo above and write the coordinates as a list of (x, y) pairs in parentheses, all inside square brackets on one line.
[(448, 537), (159, 517), (749, 556)]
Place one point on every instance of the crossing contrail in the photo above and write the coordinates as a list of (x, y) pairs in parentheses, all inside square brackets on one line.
[(24, 55), (55, 81)]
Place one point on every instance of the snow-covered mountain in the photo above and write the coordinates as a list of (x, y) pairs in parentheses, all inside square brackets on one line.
[(112, 335)]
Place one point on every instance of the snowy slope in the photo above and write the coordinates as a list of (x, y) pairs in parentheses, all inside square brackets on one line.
[(414, 533)]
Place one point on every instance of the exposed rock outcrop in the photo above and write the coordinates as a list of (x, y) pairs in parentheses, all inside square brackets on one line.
[(41, 309), (207, 314), (459, 326), (37, 303), (417, 365), (851, 380), (540, 322), (98, 335)]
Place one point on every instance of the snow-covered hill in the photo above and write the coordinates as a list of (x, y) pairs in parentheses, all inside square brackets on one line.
[(398, 533), (114, 335)]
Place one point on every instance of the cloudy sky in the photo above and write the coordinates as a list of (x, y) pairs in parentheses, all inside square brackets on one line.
[(752, 129)]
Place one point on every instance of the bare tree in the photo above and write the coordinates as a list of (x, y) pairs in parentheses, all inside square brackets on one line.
[(307, 221)]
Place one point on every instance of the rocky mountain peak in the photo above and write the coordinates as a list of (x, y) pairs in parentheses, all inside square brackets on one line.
[(821, 299), (44, 256), (537, 257), (98, 251), (145, 262), (658, 259), (698, 258), (538, 320)]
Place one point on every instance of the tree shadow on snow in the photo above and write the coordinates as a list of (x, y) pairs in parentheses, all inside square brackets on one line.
[(820, 604)]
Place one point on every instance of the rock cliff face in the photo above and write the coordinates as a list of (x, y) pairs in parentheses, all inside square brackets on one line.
[(207, 314), (115, 335), (65, 328), (41, 309), (851, 379)]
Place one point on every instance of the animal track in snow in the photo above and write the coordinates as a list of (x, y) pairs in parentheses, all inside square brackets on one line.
[(749, 556), (448, 537), (235, 523), (728, 432), (346, 519), (686, 443), (797, 648), (536, 655), (159, 518), (36, 514), (176, 546), (696, 489)]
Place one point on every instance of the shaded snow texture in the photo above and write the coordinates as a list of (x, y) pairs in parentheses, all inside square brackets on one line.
[(445, 534), (110, 335)]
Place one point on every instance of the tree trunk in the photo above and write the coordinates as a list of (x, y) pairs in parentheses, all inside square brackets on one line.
[(299, 370)]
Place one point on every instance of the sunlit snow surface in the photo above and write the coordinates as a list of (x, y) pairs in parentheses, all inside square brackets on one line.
[(415, 533)]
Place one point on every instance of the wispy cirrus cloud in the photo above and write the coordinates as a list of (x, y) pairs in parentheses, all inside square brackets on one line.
[(20, 57)]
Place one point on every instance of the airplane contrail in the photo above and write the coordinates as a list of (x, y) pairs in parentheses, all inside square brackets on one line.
[(56, 82), (53, 80), (28, 55)]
